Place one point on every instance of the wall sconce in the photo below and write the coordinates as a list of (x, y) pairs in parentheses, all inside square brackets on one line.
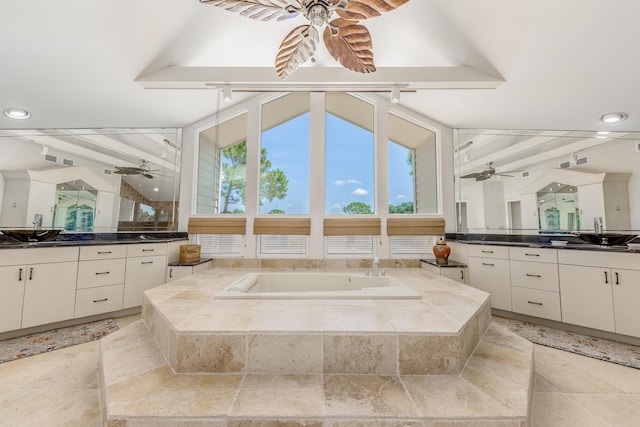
[(395, 95), (226, 94)]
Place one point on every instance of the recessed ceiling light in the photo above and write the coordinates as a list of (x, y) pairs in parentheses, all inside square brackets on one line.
[(603, 132), (614, 117), (17, 113), (156, 189)]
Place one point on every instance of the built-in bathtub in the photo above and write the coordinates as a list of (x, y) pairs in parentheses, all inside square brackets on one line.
[(317, 286)]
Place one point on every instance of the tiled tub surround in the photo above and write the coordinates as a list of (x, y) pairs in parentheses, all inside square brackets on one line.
[(426, 362)]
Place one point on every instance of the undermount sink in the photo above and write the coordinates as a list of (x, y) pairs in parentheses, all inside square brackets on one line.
[(606, 239), (30, 235)]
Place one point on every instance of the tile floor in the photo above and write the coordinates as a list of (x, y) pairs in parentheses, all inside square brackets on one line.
[(61, 389)]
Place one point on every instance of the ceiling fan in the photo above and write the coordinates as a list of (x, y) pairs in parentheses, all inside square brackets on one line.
[(348, 42), (487, 173), (143, 170)]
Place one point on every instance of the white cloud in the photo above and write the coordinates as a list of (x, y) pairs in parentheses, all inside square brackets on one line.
[(340, 182), (337, 206), (399, 197), (353, 181), (360, 192)]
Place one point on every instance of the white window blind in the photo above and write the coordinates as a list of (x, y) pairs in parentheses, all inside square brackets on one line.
[(283, 244), (349, 245), (221, 245), (412, 245)]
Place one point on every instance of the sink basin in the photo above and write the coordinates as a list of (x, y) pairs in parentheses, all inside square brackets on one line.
[(27, 235), (612, 239)]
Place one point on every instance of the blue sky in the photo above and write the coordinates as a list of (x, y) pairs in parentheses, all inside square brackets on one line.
[(350, 166)]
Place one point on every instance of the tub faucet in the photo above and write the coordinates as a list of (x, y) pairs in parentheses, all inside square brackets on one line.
[(376, 263), (37, 221), (597, 225)]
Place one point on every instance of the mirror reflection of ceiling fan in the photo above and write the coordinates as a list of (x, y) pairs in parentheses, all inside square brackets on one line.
[(345, 38), (144, 169), (487, 173)]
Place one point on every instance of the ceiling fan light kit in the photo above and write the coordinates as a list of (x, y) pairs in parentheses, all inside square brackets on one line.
[(347, 41)]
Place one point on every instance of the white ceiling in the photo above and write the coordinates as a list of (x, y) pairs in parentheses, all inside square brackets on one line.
[(73, 64)]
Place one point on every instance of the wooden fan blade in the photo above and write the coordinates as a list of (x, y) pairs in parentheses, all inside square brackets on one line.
[(351, 46), (261, 10), (296, 49), (358, 10), (472, 175)]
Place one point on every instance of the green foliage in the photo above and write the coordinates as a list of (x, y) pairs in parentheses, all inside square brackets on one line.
[(410, 161), (402, 208), (357, 208), (276, 212), (274, 183)]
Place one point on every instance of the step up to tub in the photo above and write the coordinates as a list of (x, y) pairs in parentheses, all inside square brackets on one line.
[(139, 388), (199, 333)]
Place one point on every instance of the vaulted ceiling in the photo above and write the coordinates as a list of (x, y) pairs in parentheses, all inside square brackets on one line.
[(75, 64)]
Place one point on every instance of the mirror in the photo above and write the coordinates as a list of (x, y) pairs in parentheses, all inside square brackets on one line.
[(531, 182), (90, 180)]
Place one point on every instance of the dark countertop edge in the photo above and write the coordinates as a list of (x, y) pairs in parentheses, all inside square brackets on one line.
[(95, 239), (449, 264), (533, 241), (189, 264)]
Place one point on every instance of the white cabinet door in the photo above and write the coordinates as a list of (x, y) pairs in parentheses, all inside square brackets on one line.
[(458, 274), (586, 296), (12, 281), (492, 276), (626, 301), (177, 272), (50, 293), (142, 273)]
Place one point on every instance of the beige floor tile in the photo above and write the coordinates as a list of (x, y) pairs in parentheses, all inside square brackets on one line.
[(562, 373), (50, 408), (285, 318), (160, 392), (276, 396), (70, 368), (425, 319), (220, 316), (125, 321), (284, 354), (502, 362), (360, 354), (513, 396), (354, 318), (558, 410), (366, 396), (443, 396), (619, 410)]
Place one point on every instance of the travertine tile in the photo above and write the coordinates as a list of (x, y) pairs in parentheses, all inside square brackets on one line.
[(440, 396), (276, 396), (512, 396), (558, 410), (71, 368), (360, 354), (160, 392), (290, 264), (354, 318), (274, 423), (128, 352), (174, 422), (469, 337), (619, 410), (49, 407), (429, 354), (563, 375), (502, 362), (366, 396), (423, 318), (284, 354), (283, 318), (501, 336), (245, 263), (210, 353), (374, 423), (220, 316)]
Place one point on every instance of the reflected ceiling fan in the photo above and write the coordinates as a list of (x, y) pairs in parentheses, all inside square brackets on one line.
[(346, 40), (487, 173), (144, 169)]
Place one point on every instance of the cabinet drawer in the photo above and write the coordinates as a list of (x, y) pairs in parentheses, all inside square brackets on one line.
[(534, 254), (103, 252), (100, 273), (535, 275), (581, 257), (38, 255), (627, 261), (535, 302), (146, 249), (98, 300), (489, 251)]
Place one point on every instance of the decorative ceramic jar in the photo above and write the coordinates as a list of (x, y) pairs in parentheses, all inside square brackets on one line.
[(441, 250)]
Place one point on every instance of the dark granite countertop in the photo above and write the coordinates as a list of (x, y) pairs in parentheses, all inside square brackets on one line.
[(449, 264), (89, 239), (189, 264)]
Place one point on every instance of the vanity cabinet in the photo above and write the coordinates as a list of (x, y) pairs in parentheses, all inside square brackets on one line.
[(12, 280), (101, 273), (489, 271), (145, 268), (535, 287), (49, 283)]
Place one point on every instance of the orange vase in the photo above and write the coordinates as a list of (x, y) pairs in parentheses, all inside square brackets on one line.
[(441, 250)]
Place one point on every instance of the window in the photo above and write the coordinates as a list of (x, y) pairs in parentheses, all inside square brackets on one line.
[(279, 244), (221, 245), (412, 246), (358, 246), (222, 160), (350, 160), (413, 180), (284, 156)]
